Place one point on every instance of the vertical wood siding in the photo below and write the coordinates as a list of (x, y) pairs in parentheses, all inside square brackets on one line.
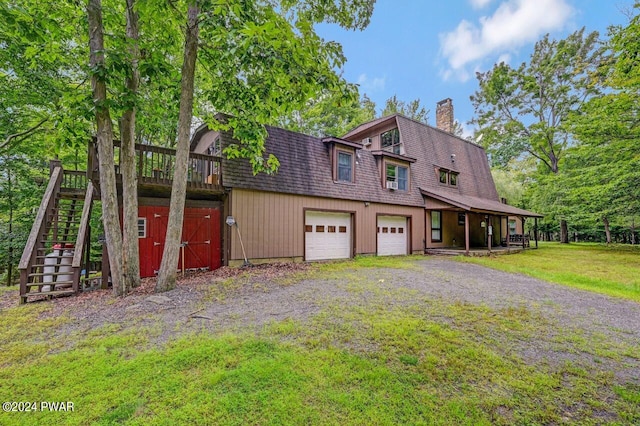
[(272, 224)]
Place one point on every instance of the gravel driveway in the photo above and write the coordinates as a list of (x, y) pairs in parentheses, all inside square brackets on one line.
[(596, 323)]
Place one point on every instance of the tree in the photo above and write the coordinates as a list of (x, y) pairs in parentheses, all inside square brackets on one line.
[(524, 111), (411, 109), (259, 62), (104, 139), (329, 115), (130, 249), (167, 274), (605, 175)]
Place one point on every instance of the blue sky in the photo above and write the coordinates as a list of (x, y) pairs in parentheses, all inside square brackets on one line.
[(431, 49)]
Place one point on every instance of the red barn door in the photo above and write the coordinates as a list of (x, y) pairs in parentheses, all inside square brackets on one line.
[(202, 245)]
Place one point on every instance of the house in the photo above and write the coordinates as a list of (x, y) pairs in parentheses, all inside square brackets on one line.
[(392, 186)]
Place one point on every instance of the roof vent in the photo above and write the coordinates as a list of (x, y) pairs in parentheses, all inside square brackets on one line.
[(366, 141)]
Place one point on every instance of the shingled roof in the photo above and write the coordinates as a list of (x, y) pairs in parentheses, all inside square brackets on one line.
[(306, 169)]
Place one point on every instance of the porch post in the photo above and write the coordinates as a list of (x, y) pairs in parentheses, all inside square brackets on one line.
[(535, 230), (466, 233), (489, 234), (508, 237)]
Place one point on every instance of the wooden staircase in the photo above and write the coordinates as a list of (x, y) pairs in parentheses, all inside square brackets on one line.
[(57, 248)]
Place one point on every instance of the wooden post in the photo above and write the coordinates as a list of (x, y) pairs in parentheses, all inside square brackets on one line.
[(535, 230), (489, 232), (466, 233)]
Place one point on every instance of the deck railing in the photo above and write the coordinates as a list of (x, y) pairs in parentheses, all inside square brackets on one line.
[(155, 165)]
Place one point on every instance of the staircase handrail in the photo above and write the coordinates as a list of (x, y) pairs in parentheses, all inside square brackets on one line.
[(39, 224)]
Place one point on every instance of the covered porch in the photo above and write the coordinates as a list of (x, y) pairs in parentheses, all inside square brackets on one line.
[(458, 224)]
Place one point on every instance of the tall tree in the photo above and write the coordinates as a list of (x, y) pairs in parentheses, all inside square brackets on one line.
[(104, 136), (259, 62), (130, 250), (329, 115), (167, 274), (606, 177), (411, 109), (524, 110)]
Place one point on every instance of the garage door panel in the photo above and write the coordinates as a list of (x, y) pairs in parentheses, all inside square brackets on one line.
[(327, 235), (392, 235)]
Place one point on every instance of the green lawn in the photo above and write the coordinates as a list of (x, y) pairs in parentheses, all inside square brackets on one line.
[(612, 270), (415, 361)]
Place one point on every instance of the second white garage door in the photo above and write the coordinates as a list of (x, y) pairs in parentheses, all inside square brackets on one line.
[(327, 235), (392, 235)]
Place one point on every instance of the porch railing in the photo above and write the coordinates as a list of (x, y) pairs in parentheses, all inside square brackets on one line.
[(155, 165)]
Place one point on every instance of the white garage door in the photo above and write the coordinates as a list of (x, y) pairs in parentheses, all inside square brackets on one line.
[(392, 235), (327, 235)]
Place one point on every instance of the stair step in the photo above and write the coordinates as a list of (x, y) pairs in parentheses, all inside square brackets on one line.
[(48, 257), (42, 265), (50, 274), (56, 283), (50, 293)]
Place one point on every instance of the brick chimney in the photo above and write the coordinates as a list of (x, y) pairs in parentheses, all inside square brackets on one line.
[(444, 115)]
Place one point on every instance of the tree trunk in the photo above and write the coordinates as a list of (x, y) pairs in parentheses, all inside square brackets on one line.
[(167, 275), (607, 231), (564, 232), (131, 253), (105, 147)]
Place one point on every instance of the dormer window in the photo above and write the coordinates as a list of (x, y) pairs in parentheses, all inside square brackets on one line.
[(345, 166), (397, 177), (390, 141), (447, 177)]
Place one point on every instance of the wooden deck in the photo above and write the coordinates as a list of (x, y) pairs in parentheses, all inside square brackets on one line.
[(155, 166)]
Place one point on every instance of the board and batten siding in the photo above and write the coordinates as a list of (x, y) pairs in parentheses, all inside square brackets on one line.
[(272, 224)]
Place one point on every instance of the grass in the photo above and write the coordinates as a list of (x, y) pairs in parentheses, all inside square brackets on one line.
[(389, 356), (611, 270)]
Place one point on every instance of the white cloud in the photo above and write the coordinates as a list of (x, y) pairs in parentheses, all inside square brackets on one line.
[(479, 4), (514, 23), (371, 84)]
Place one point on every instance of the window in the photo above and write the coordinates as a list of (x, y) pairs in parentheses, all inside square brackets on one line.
[(512, 227), (142, 227), (319, 228), (342, 229), (461, 219), (331, 228), (443, 176), (390, 141), (308, 228), (345, 167), (436, 226), (398, 174), (214, 148)]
